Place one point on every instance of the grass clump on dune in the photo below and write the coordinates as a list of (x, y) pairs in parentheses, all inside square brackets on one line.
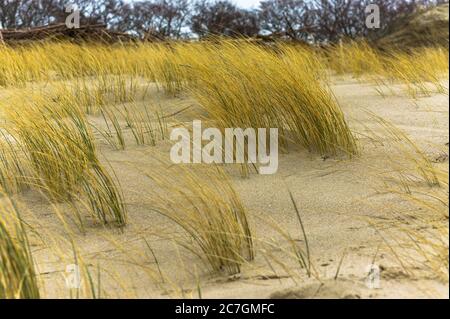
[(240, 84), (17, 274), (173, 66), (205, 205), (60, 149), (422, 72), (17, 66), (417, 234), (418, 237), (14, 170), (356, 58), (409, 162), (245, 85)]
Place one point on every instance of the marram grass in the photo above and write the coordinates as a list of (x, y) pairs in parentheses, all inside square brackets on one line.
[(206, 206), (239, 84), (421, 72), (17, 274), (244, 85), (57, 141)]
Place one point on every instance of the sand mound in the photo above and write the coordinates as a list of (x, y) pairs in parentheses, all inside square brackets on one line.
[(330, 289), (423, 28)]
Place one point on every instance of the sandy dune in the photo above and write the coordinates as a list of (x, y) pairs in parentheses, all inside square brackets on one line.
[(337, 199)]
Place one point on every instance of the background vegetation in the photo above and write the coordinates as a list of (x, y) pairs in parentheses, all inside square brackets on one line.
[(315, 20)]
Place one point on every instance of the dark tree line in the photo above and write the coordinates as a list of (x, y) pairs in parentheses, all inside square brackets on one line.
[(313, 20)]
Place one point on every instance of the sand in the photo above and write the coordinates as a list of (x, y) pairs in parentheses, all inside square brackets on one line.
[(338, 198)]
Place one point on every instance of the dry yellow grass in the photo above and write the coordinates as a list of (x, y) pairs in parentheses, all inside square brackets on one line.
[(14, 168), (418, 237), (422, 72), (240, 84), (48, 143), (409, 163), (205, 205), (417, 234), (59, 147), (244, 85), (17, 274)]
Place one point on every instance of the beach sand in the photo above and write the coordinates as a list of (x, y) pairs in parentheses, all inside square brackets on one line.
[(339, 199)]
